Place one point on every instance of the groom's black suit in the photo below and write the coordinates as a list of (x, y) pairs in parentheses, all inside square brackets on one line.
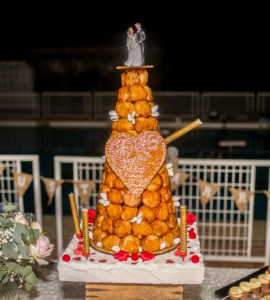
[(141, 37)]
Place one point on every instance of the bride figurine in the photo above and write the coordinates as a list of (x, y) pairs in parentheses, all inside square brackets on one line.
[(134, 50)]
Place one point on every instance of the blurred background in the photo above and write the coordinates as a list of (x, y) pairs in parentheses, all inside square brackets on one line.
[(58, 79)]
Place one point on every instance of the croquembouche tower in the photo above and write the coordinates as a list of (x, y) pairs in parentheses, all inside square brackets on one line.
[(135, 210)]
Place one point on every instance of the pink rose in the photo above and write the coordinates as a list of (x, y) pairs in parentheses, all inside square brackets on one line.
[(41, 249), (36, 225), (20, 219)]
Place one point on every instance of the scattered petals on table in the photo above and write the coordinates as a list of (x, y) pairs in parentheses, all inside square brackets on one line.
[(66, 258), (147, 256), (195, 259), (135, 256), (169, 261), (191, 218)]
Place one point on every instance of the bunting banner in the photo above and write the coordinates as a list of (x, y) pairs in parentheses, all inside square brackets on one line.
[(241, 198), (51, 185), (2, 168), (177, 179), (207, 191), (22, 182), (267, 193), (85, 188)]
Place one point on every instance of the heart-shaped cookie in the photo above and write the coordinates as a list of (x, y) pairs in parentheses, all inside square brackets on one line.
[(136, 160)]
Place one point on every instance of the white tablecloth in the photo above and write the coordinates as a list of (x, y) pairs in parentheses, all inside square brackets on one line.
[(50, 287)]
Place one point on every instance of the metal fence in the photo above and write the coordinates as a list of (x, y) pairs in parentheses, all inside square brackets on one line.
[(18, 106), (225, 234), (96, 106), (8, 191), (227, 105), (66, 105)]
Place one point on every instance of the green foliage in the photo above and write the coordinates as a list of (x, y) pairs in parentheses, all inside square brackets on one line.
[(8, 207), (19, 232), (24, 251), (11, 251), (28, 286), (12, 266), (27, 270), (33, 235), (31, 278)]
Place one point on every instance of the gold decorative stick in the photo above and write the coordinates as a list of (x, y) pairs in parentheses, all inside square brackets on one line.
[(75, 216), (86, 248), (183, 231), (182, 131)]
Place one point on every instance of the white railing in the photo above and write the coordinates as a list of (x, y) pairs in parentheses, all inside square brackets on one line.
[(23, 105), (8, 191), (67, 105), (177, 105), (263, 103), (172, 105), (224, 233), (228, 104)]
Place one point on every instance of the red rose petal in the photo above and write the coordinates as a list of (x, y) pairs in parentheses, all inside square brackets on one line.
[(121, 255), (195, 259), (66, 258), (91, 259), (91, 215), (93, 253), (77, 252), (102, 261), (77, 258), (134, 256), (134, 263), (177, 253), (80, 243), (80, 247), (192, 235), (191, 218), (169, 261), (147, 256)]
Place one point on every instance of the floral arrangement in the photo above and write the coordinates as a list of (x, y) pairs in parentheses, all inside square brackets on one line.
[(21, 244)]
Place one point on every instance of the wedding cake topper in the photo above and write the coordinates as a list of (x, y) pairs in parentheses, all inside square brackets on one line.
[(135, 46)]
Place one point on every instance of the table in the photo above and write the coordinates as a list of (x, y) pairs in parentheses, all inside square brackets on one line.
[(50, 287)]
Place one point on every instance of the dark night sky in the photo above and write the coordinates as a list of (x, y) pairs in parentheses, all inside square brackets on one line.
[(220, 48)]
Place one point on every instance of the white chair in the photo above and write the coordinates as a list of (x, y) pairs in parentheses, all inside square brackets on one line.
[(8, 190)]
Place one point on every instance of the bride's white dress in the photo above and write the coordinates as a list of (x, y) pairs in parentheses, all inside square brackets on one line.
[(134, 52)]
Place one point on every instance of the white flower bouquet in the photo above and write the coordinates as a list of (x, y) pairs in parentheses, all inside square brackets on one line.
[(21, 244)]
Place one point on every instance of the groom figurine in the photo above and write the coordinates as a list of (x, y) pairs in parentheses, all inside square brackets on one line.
[(140, 35)]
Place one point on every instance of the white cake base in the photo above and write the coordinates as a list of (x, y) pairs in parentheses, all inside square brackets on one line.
[(104, 268)]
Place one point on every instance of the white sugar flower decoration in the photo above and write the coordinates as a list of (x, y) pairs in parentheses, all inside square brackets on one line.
[(176, 201), (103, 200), (90, 235), (176, 241), (99, 244), (131, 117), (116, 248), (137, 219), (162, 246), (169, 166), (154, 109), (114, 115)]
